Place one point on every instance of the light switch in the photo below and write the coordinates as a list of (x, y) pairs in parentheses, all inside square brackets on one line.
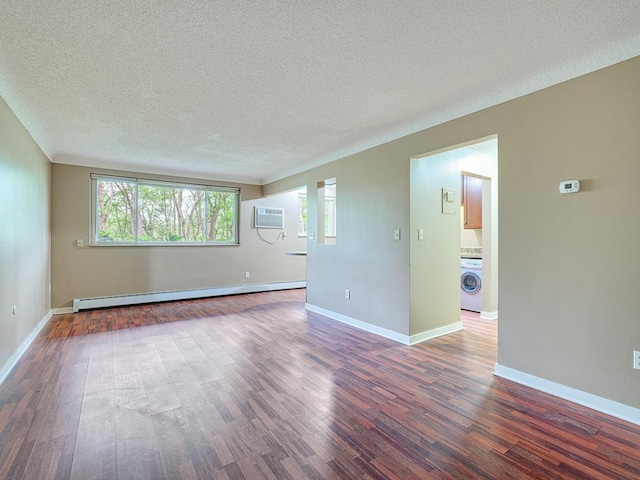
[(420, 234), (80, 242), (396, 234)]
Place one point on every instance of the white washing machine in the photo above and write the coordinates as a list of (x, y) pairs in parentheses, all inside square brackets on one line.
[(471, 284)]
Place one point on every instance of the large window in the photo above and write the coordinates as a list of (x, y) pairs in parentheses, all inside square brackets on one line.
[(134, 211)]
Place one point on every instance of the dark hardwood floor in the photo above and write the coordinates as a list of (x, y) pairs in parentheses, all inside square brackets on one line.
[(255, 387)]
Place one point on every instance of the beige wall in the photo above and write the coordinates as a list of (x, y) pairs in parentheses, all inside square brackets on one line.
[(365, 259), (490, 241), (25, 178), (94, 271), (568, 292), (435, 299)]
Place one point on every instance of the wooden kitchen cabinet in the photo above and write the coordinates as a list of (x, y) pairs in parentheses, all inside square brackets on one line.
[(472, 201)]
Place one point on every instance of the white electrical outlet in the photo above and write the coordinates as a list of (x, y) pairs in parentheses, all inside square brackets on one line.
[(347, 294), (79, 242), (636, 359), (247, 275)]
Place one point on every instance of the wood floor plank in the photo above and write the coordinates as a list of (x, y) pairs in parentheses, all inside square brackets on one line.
[(255, 387), (95, 454)]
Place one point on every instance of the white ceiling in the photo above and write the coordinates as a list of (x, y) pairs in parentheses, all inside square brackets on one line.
[(253, 91)]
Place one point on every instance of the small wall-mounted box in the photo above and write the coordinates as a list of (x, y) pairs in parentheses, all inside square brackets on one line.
[(450, 203), (570, 186)]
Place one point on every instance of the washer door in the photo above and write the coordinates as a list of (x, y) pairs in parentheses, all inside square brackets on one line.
[(470, 283)]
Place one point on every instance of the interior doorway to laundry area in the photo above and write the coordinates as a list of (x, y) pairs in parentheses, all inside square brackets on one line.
[(453, 217)]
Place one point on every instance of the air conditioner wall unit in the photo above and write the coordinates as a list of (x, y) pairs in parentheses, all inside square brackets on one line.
[(269, 217)]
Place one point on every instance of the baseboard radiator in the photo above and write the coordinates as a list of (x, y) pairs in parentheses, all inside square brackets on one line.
[(139, 298)]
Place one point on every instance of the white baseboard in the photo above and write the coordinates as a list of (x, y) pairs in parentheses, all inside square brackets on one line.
[(385, 332), (600, 404), (6, 367), (489, 315), (62, 311), (436, 332), (138, 298)]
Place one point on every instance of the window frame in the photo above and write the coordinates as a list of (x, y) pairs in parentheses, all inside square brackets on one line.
[(93, 235)]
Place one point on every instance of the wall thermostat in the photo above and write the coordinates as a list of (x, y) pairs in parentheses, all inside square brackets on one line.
[(570, 186)]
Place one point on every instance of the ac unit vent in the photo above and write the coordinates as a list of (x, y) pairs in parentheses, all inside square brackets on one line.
[(269, 217)]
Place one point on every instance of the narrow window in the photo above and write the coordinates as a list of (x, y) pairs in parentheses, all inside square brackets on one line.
[(327, 232), (302, 213)]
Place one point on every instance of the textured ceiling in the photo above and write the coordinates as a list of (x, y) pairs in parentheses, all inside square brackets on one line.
[(255, 90)]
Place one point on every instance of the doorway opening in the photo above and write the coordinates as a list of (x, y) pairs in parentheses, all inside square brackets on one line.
[(454, 215)]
